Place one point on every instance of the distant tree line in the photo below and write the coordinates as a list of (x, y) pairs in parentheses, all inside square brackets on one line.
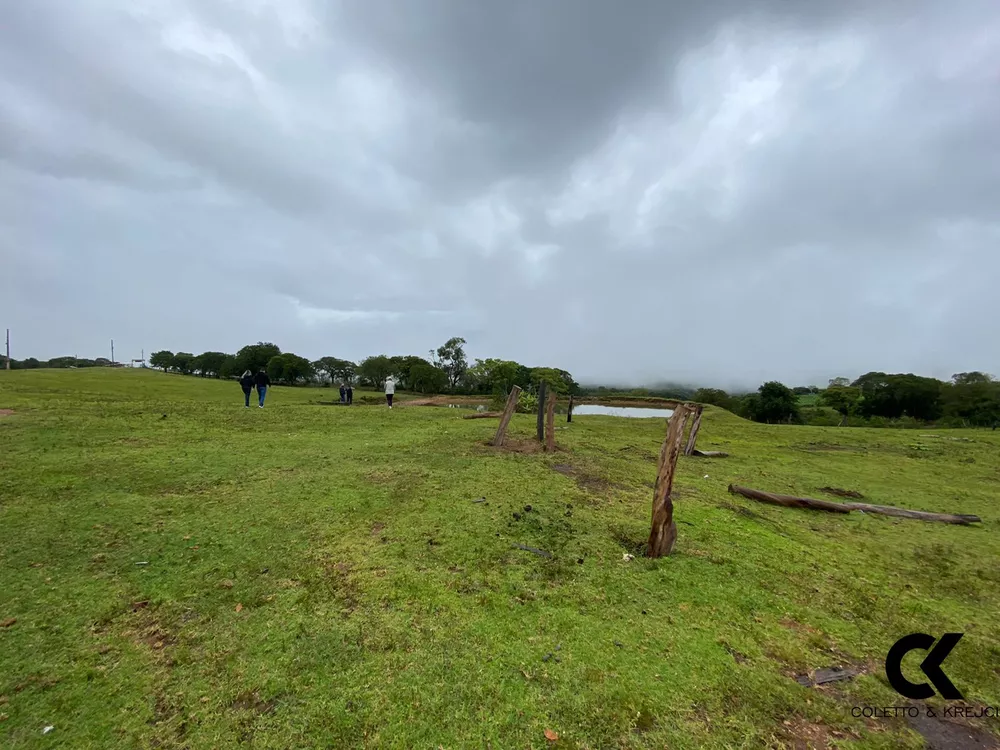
[(59, 363), (969, 399), (447, 371)]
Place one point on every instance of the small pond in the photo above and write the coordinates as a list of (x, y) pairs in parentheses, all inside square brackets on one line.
[(621, 411)]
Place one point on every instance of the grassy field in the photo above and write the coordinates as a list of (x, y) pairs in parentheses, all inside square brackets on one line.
[(184, 572)]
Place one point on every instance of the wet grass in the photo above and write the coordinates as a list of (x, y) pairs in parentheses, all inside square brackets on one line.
[(307, 576)]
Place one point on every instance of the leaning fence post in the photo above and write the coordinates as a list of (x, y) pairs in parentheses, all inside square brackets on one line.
[(569, 411), (508, 412), (663, 531), (689, 448)]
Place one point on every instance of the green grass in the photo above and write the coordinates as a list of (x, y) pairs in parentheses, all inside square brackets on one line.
[(319, 576)]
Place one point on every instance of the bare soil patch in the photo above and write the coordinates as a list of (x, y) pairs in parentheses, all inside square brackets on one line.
[(842, 493), (943, 734), (6, 412)]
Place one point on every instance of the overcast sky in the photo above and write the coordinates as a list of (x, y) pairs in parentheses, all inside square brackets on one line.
[(716, 192)]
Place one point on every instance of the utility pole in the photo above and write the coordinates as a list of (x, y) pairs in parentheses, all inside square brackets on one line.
[(8, 349), (112, 351)]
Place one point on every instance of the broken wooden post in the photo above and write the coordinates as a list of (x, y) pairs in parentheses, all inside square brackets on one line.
[(689, 448), (663, 532), (569, 411), (788, 501), (508, 412), (550, 423), (542, 391)]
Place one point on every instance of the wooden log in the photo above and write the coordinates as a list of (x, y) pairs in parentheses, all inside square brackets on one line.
[(788, 501), (550, 423), (483, 415), (961, 519), (689, 448), (663, 530), (542, 392), (569, 411), (508, 412), (709, 454)]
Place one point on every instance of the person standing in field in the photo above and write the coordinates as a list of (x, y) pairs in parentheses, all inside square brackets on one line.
[(343, 394), (262, 381), (246, 383), (390, 389), (350, 394)]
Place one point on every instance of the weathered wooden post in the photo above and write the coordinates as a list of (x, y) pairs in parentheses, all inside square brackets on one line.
[(663, 532), (508, 412), (569, 411), (689, 448), (542, 391), (550, 423)]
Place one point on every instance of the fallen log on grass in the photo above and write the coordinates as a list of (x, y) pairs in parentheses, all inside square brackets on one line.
[(709, 454), (788, 501), (483, 415)]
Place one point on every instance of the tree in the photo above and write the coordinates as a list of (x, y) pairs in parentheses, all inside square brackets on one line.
[(844, 399), (973, 400), (162, 359), (403, 369), (488, 375), (893, 396), (230, 367), (451, 359), (339, 370), (840, 382), (183, 363), (552, 377), (209, 364), (773, 402), (373, 371), (289, 368), (254, 357), (425, 378), (715, 397)]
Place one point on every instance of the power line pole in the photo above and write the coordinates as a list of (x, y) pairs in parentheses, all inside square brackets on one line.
[(112, 351), (8, 348)]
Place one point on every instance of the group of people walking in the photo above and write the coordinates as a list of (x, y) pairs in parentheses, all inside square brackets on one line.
[(260, 381)]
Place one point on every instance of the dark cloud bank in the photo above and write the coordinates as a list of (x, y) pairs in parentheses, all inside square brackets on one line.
[(713, 192)]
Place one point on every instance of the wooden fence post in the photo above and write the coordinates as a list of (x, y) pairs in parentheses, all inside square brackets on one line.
[(663, 532), (508, 412), (542, 392), (569, 411), (689, 448), (550, 423)]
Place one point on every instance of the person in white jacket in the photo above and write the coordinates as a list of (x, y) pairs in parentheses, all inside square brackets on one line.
[(390, 389)]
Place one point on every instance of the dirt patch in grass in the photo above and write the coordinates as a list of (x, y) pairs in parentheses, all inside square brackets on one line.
[(590, 482), (251, 701), (802, 734), (6, 412), (944, 734), (829, 447)]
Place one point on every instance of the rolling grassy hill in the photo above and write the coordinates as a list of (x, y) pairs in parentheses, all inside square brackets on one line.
[(182, 572)]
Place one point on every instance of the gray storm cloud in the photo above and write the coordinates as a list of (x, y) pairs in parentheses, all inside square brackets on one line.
[(721, 193)]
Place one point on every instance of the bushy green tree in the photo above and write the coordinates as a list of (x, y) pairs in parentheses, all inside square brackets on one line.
[(289, 369), (715, 397), (184, 363), (209, 364), (373, 371), (255, 357), (163, 359), (425, 378)]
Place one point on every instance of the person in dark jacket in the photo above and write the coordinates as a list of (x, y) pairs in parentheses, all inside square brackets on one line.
[(343, 394), (246, 383), (262, 381), (350, 394)]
